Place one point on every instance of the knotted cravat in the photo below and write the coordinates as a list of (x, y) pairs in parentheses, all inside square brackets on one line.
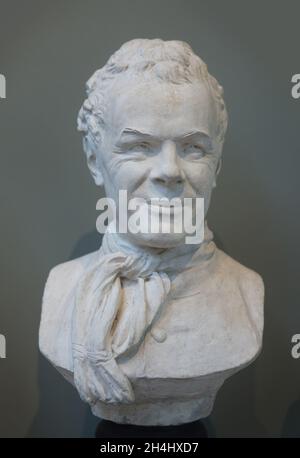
[(111, 319)]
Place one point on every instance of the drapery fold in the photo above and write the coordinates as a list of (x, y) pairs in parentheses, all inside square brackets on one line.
[(106, 324)]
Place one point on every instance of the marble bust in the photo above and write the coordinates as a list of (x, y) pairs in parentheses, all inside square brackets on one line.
[(148, 327)]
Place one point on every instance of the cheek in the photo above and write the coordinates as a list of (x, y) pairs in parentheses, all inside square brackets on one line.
[(128, 174), (201, 176)]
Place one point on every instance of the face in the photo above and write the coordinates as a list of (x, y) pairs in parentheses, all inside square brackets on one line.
[(159, 142)]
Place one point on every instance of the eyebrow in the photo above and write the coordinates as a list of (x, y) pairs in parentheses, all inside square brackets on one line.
[(185, 136)]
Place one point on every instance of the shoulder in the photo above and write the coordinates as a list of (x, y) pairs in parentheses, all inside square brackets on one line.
[(75, 266), (57, 309), (248, 279), (250, 285), (62, 279), (243, 274)]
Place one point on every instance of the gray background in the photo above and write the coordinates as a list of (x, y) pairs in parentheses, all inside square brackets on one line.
[(48, 49)]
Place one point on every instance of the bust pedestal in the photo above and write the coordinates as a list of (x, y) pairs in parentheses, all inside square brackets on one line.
[(174, 401)]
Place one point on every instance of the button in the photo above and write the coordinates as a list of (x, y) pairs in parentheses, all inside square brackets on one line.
[(159, 334)]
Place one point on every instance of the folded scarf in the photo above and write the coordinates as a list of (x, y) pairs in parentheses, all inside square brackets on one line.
[(117, 301)]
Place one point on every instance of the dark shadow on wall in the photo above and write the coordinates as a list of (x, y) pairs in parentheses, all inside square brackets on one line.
[(234, 414), (61, 413), (291, 424), (87, 244)]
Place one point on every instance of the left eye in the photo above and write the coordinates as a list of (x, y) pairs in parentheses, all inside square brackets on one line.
[(194, 151)]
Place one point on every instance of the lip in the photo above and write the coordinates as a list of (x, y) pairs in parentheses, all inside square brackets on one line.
[(165, 209), (158, 202)]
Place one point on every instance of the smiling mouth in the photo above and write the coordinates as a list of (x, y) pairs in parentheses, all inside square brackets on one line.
[(166, 208), (158, 202)]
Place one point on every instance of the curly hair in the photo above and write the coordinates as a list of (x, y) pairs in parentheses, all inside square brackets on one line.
[(166, 61)]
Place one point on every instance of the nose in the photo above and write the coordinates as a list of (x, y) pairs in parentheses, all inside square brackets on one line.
[(166, 170)]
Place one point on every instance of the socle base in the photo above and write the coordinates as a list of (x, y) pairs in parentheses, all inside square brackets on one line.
[(164, 413)]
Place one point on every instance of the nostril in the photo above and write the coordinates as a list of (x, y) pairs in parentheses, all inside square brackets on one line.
[(160, 180), (168, 180)]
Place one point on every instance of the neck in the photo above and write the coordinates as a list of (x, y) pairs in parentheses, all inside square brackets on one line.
[(175, 258)]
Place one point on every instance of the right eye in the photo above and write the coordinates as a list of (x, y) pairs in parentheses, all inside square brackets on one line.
[(138, 147)]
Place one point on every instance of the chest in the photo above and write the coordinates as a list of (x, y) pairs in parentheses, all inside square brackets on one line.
[(196, 336)]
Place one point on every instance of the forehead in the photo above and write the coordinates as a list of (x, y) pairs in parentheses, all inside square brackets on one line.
[(160, 109)]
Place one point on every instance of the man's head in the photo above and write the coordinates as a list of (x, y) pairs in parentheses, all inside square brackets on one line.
[(154, 123)]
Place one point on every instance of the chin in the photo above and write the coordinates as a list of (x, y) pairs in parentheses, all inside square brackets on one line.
[(158, 240)]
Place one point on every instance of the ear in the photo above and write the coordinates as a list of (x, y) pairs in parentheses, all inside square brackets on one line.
[(217, 172), (92, 162)]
